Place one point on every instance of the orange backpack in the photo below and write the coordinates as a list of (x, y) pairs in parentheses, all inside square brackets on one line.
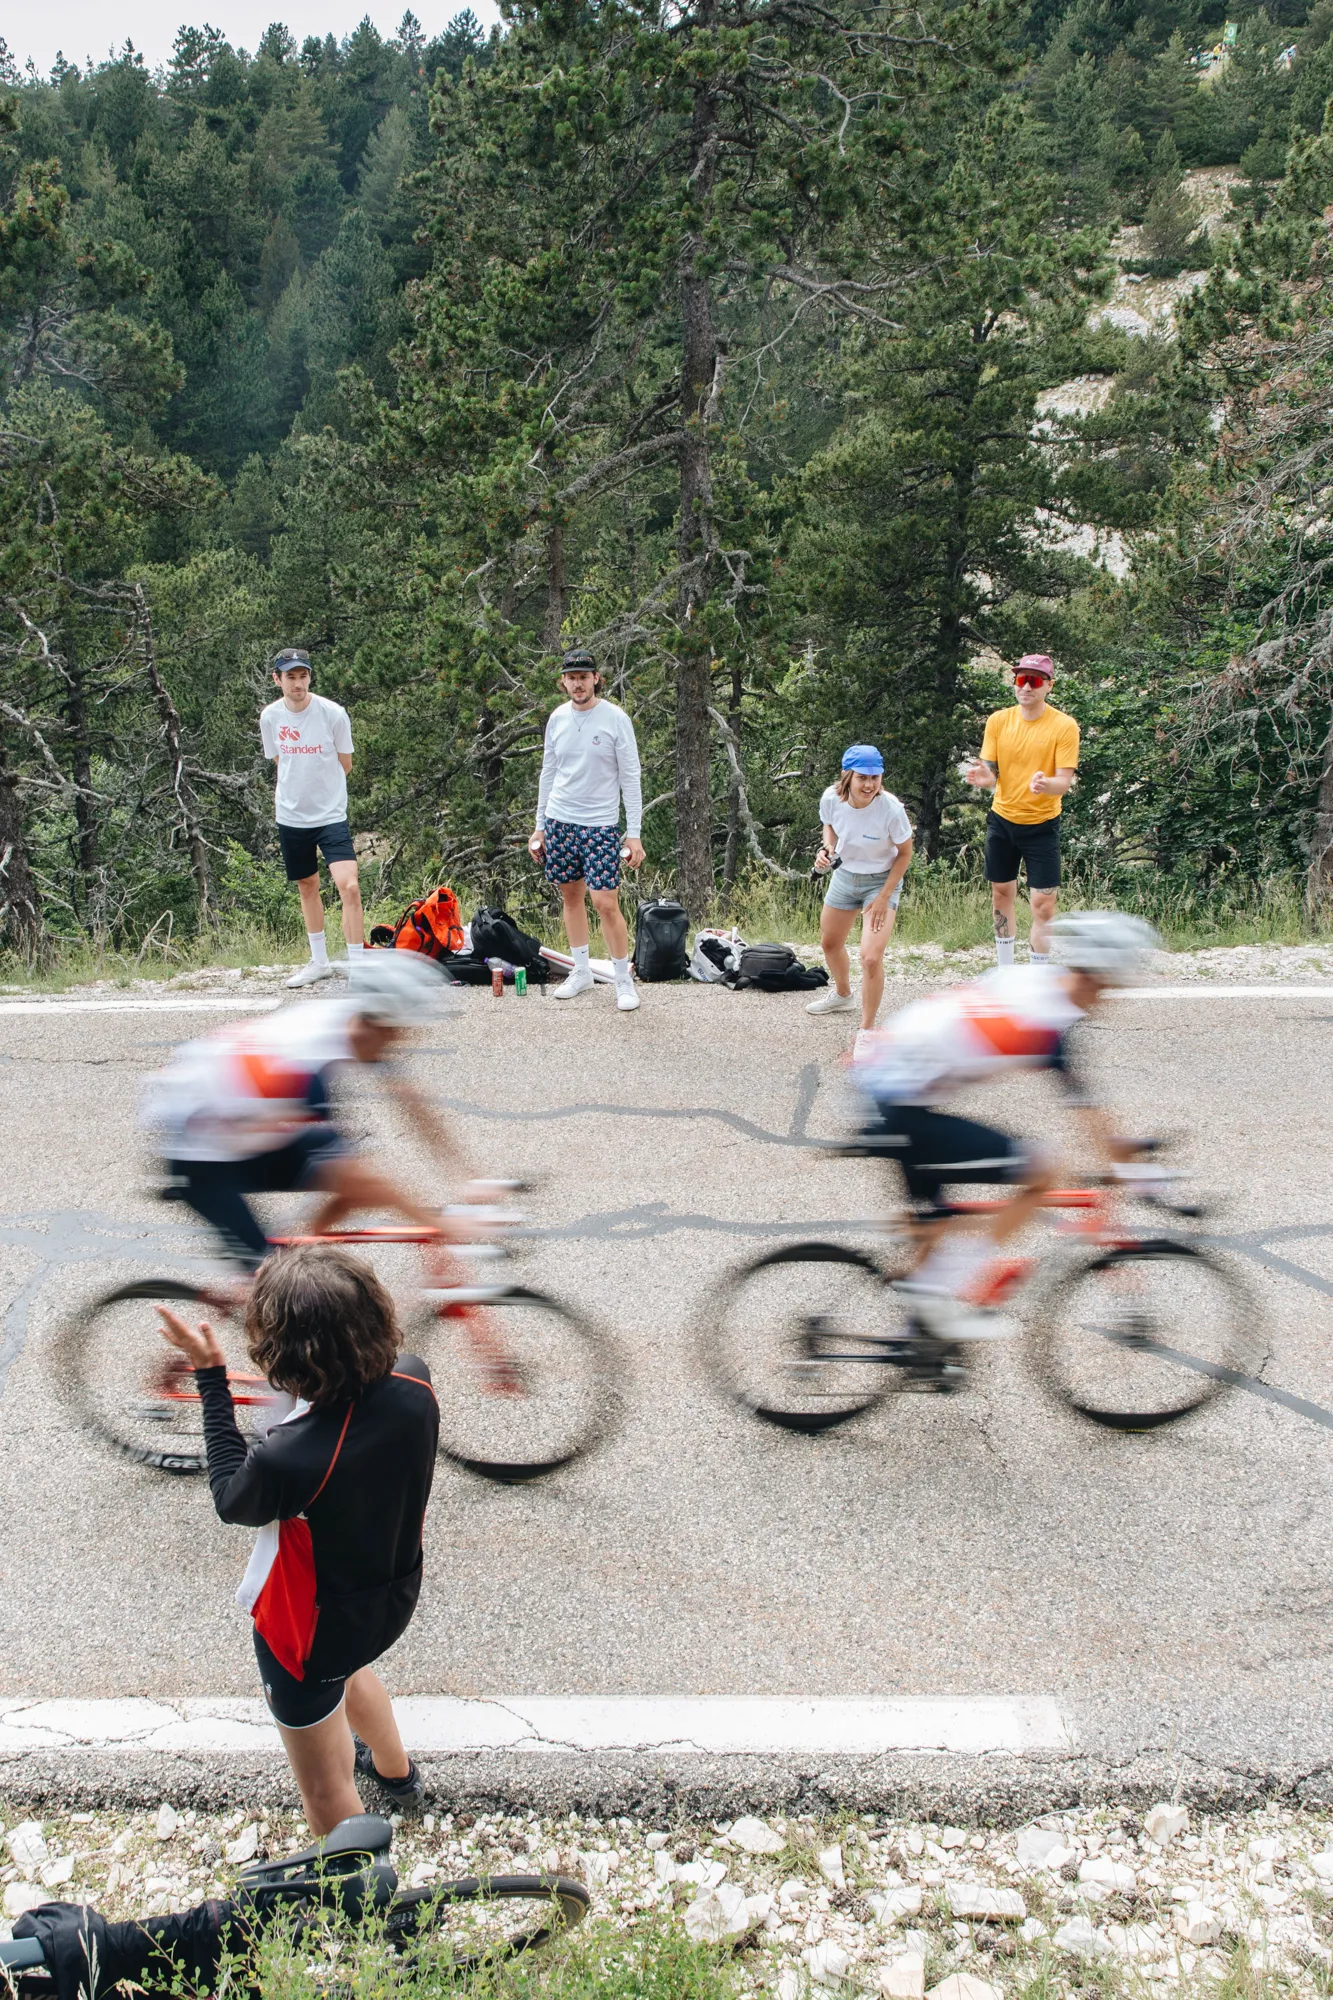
[(434, 925)]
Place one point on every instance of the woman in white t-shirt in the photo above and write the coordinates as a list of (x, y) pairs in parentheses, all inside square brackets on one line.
[(866, 848)]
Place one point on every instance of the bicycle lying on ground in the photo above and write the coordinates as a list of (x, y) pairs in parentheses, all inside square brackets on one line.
[(524, 1383), (346, 1875), (1132, 1328)]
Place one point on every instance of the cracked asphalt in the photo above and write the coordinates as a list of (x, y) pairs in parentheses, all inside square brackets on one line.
[(1172, 1591)]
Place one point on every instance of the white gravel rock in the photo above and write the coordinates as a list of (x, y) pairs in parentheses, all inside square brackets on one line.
[(56, 1872), (831, 1868), (1136, 1941), (1081, 1940), (718, 1914), (27, 1848), (168, 1819), (756, 1836), (1323, 1866), (1033, 1929), (22, 1896), (1103, 1873), (964, 1986), (704, 1874), (1166, 1823), (829, 1964), (980, 1904), (665, 1867), (656, 1841), (894, 1905), (1037, 1845), (245, 1846), (903, 1978), (1198, 1924), (789, 1983)]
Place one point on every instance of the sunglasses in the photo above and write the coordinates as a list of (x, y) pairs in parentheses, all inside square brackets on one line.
[(1031, 680)]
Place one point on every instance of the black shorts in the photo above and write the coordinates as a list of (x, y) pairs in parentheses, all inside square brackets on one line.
[(1008, 843), (302, 846), (935, 1149), (216, 1189), (296, 1704)]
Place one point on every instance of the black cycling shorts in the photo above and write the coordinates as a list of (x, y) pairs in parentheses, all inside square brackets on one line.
[(1008, 844), (935, 1149), (216, 1189), (296, 1704), (302, 846)]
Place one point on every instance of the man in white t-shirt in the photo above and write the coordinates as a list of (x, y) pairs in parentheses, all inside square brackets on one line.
[(590, 762), (310, 740)]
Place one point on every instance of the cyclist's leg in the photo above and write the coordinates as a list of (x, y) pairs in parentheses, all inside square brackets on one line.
[(216, 1191), (940, 1150), (311, 1718), (370, 1712), (350, 1186)]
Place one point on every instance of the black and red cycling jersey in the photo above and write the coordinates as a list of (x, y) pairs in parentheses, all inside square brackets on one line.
[(340, 1493)]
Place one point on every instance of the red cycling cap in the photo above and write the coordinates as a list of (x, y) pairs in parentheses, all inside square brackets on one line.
[(1036, 663)]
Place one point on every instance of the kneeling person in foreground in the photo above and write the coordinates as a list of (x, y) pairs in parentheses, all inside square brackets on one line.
[(338, 1490), (1018, 1017)]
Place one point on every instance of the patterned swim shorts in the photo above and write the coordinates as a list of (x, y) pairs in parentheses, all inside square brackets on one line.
[(588, 853)]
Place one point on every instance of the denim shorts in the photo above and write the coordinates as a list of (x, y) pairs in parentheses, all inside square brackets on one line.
[(849, 891)]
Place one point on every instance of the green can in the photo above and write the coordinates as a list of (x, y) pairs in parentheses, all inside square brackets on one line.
[(520, 981)]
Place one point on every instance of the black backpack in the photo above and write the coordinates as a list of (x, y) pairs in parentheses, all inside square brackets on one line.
[(495, 935), (660, 932), (775, 968)]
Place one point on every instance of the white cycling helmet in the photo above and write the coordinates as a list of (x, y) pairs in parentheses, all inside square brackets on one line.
[(398, 989), (1104, 943)]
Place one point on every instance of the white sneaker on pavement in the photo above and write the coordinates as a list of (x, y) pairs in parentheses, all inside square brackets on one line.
[(832, 1002), (312, 973), (577, 982), (950, 1318), (626, 997)]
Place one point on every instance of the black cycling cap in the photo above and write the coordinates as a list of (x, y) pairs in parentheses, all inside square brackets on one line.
[(579, 661), (291, 656)]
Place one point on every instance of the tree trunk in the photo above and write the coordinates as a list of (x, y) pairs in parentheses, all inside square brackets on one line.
[(85, 822), (174, 736), (20, 907), (1319, 875), (731, 860), (695, 536), (553, 623)]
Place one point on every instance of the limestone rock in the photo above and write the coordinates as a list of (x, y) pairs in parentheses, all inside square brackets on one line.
[(1198, 1924), (964, 1986), (1081, 1940), (831, 1868), (756, 1836), (1166, 1823), (665, 1866), (1136, 1941), (704, 1874), (893, 1905), (655, 1841), (980, 1904), (829, 1964), (903, 1978), (56, 1872), (1106, 1874), (168, 1819), (21, 1896), (245, 1846), (789, 1983), (27, 1848), (719, 1913), (1037, 1845)]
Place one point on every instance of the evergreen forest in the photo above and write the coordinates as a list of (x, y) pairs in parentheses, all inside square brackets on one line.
[(808, 360)]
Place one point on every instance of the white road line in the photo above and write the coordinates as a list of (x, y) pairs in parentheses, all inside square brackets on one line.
[(191, 1004), (716, 1725)]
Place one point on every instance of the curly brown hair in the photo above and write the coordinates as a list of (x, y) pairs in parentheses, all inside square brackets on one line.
[(320, 1324)]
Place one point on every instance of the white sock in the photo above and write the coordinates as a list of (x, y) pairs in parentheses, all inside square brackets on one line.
[(319, 949), (1004, 951), (579, 954), (355, 950), (620, 966), (954, 1262), (1039, 957)]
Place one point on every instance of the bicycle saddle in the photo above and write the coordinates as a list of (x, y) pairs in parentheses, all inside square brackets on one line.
[(352, 1846)]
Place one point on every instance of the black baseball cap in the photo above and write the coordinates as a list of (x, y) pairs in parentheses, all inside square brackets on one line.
[(291, 656), (579, 661)]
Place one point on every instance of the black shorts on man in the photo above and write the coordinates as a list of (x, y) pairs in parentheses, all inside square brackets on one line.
[(936, 1150), (1038, 844), (302, 846)]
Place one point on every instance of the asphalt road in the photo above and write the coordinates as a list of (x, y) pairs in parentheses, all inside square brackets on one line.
[(1171, 1591)]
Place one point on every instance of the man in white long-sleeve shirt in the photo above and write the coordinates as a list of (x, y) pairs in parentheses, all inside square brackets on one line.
[(591, 762)]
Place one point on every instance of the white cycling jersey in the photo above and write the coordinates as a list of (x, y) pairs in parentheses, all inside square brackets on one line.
[(251, 1087), (1016, 1017)]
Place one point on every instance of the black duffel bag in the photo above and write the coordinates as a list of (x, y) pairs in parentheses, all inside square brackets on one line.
[(775, 968), (494, 934), (661, 931)]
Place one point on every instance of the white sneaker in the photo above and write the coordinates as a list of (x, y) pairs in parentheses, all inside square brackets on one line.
[(311, 974), (577, 982), (626, 998), (950, 1318), (832, 1002)]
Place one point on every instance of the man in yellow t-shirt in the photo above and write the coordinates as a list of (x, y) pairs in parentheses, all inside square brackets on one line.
[(1029, 758)]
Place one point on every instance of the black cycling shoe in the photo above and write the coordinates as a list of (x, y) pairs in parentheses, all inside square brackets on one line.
[(408, 1794)]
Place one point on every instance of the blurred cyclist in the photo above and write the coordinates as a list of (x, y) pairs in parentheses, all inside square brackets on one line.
[(1017, 1017), (247, 1110)]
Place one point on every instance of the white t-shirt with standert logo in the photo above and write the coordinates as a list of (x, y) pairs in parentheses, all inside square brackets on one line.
[(312, 785), (868, 836)]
